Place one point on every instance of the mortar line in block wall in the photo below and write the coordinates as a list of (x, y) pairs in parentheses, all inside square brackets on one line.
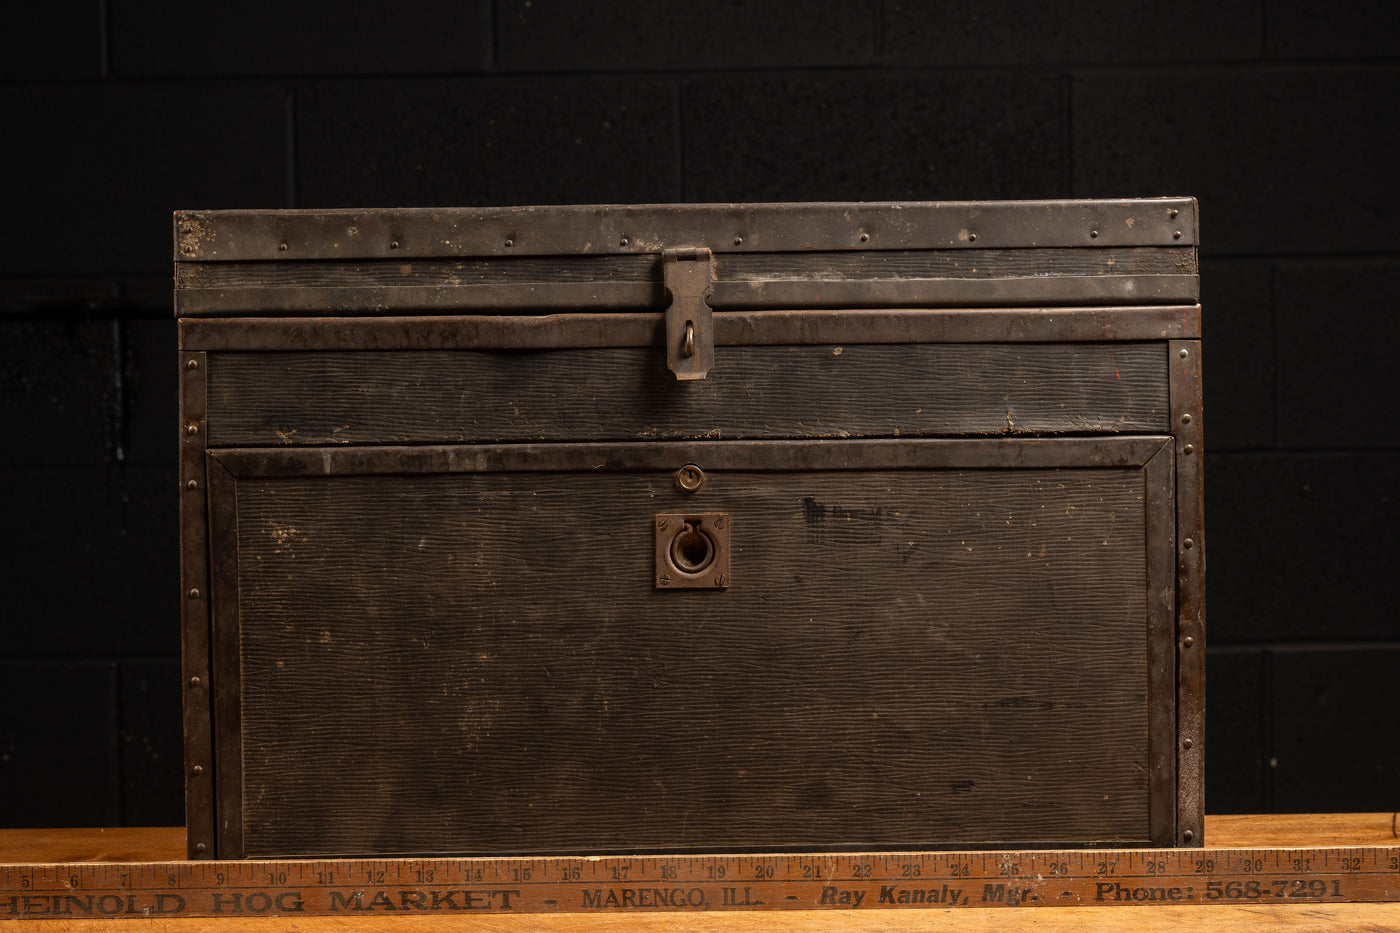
[(1298, 646), (291, 115), (1266, 728), (104, 39), (1273, 370), (493, 39)]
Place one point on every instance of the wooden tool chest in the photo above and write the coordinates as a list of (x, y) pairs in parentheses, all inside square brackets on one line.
[(691, 528)]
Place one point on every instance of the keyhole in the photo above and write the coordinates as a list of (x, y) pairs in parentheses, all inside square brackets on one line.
[(691, 549)]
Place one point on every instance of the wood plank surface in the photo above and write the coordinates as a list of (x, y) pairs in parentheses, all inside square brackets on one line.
[(1303, 829), (1292, 830), (405, 397), (1228, 830), (97, 844)]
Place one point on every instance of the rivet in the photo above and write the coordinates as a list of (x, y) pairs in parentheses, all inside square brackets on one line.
[(1188, 835), (194, 594), (192, 485), (1186, 419), (1176, 234), (1173, 212), (197, 770), (1188, 450), (972, 238), (1185, 353), (194, 681), (1186, 743), (192, 364), (1188, 544), (199, 847), (1188, 641), (622, 242), (186, 228), (281, 247), (509, 243), (865, 238), (738, 241), (393, 244), (189, 250), (1093, 234), (192, 429)]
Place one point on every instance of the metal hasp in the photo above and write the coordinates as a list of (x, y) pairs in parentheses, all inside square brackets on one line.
[(690, 330)]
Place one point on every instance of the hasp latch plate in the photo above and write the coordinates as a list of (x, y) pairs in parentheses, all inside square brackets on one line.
[(690, 328)]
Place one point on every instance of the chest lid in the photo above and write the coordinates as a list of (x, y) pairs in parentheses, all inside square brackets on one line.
[(852, 255)]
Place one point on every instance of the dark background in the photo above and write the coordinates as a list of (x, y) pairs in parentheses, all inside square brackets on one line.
[(1280, 115)]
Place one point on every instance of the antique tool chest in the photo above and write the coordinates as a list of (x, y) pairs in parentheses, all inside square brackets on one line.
[(692, 528)]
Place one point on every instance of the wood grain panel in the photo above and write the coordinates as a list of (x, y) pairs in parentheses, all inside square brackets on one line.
[(480, 663), (402, 397), (732, 328), (868, 264), (407, 271), (960, 264)]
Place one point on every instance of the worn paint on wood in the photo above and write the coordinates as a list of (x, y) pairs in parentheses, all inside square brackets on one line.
[(573, 705)]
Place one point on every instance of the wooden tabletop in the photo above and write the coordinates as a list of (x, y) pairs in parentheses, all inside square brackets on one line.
[(1291, 830)]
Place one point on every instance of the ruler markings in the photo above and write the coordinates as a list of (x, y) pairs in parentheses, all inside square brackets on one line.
[(707, 882)]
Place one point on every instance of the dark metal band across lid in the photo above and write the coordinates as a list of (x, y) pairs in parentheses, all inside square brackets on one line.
[(227, 236)]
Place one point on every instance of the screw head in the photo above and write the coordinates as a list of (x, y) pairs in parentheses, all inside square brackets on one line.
[(200, 847), (1188, 450), (509, 243), (1188, 641), (393, 244), (194, 594), (865, 238), (197, 770), (192, 429), (1187, 743), (1184, 354), (1186, 419), (623, 242), (972, 238), (1173, 212), (281, 247), (192, 364), (1176, 234), (738, 241), (1188, 836), (1093, 234), (192, 485), (194, 681), (1188, 543)]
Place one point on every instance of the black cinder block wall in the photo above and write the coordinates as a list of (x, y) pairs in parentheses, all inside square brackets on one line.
[(1280, 115)]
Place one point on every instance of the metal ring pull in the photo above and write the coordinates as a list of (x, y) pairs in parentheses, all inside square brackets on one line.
[(689, 347)]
